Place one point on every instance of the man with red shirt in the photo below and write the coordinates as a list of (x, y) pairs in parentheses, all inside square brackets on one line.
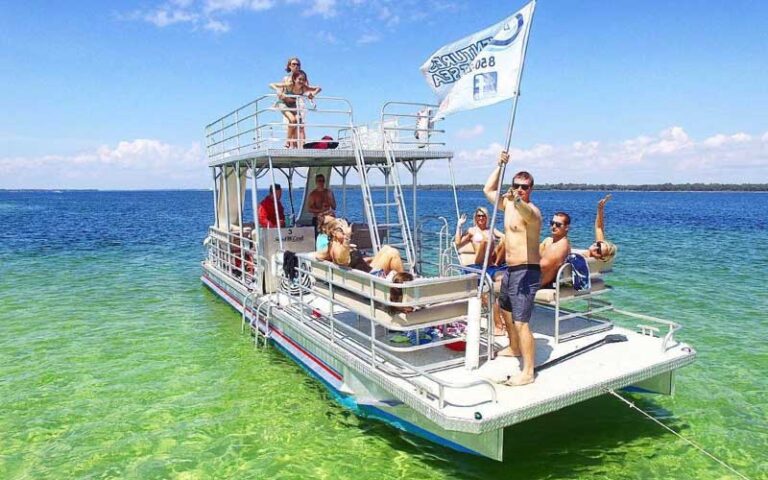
[(267, 217)]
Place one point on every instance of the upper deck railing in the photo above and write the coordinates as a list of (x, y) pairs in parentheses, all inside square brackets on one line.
[(263, 124)]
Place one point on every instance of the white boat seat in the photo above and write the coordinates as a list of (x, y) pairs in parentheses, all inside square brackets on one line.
[(395, 320), (467, 254), (567, 292), (418, 292)]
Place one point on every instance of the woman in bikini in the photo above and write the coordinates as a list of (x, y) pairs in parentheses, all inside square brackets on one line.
[(479, 235), (601, 249), (287, 94), (385, 264)]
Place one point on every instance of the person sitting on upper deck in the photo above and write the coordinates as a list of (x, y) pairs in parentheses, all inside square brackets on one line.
[(601, 249), (385, 264), (320, 200), (287, 102), (554, 249), (267, 216)]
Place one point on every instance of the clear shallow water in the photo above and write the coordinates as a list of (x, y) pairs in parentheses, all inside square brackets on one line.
[(115, 362)]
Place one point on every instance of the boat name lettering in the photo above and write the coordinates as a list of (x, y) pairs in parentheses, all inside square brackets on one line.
[(291, 237)]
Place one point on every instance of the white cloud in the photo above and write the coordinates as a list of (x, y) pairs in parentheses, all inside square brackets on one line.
[(469, 133), (367, 38), (323, 8), (720, 139), (669, 156), (210, 6), (140, 163), (358, 15), (165, 16), (326, 37), (217, 26)]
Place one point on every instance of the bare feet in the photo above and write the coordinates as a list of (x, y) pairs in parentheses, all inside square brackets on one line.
[(508, 352), (519, 380)]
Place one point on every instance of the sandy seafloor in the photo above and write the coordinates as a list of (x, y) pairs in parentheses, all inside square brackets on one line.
[(115, 362)]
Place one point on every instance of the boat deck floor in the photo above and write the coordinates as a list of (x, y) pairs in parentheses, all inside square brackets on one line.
[(590, 374)]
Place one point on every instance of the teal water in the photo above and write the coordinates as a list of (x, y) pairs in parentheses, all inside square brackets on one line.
[(115, 362)]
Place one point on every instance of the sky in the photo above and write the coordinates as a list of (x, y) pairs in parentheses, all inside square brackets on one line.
[(116, 95)]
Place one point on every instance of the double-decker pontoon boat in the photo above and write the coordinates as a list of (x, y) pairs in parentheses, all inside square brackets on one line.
[(430, 369)]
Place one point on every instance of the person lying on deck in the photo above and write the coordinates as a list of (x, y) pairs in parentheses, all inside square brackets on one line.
[(554, 249), (385, 264), (601, 249)]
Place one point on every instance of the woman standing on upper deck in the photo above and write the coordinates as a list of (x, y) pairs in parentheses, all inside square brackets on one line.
[(288, 92)]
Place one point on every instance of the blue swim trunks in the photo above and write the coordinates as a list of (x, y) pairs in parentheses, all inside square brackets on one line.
[(518, 291)]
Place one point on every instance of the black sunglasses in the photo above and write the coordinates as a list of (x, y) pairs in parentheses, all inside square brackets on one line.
[(524, 186), (599, 246), (480, 215), (556, 224)]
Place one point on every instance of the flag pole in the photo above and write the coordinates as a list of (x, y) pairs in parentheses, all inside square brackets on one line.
[(507, 143)]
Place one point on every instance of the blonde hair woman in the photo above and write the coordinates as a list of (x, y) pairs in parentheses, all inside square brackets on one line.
[(601, 249), (478, 235)]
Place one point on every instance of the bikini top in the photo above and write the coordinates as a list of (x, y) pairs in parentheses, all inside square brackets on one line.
[(479, 236)]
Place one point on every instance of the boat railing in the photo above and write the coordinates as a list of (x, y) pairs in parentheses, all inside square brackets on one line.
[(374, 352), (262, 124), (597, 308), (433, 245), (236, 256), (668, 340), (410, 125)]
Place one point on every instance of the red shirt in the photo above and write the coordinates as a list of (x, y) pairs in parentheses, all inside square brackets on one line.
[(267, 216)]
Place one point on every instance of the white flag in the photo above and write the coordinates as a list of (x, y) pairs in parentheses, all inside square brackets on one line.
[(481, 69)]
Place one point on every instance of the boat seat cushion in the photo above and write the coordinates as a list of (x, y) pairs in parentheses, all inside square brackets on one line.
[(395, 320), (549, 295), (418, 292)]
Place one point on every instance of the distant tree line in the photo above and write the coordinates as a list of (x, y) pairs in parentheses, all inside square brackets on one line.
[(613, 187)]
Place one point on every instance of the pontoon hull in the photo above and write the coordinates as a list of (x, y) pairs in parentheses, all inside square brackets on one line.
[(363, 395), (354, 391)]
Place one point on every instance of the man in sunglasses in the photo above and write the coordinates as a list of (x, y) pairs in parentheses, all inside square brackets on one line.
[(522, 228), (555, 248)]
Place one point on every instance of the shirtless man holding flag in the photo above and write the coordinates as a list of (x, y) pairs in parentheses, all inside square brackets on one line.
[(522, 228)]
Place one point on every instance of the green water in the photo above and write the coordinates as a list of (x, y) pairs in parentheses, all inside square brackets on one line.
[(115, 362)]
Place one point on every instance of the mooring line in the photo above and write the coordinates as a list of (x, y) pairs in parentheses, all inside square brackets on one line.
[(690, 442)]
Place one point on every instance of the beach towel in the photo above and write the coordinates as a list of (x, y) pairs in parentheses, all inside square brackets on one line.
[(290, 262), (580, 272)]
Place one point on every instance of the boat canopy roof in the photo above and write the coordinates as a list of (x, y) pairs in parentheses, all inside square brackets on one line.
[(294, 158)]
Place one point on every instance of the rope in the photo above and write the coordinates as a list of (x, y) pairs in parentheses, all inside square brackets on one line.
[(690, 442)]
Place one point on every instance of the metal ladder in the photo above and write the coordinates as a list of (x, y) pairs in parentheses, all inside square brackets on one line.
[(391, 182)]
